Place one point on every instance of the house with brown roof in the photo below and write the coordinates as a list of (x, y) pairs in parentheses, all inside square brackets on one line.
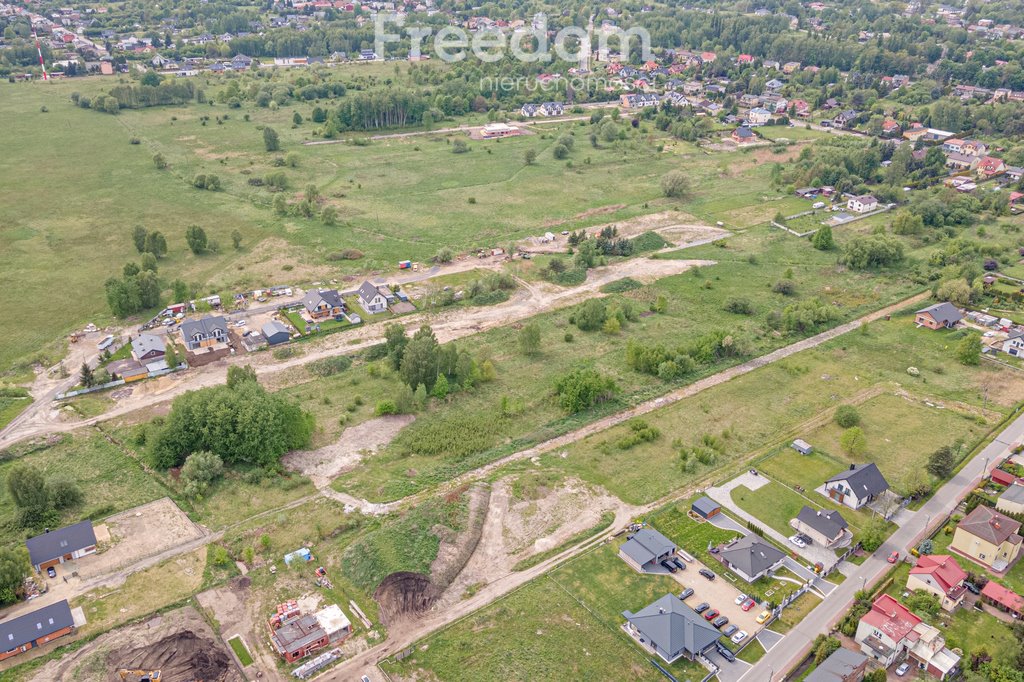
[(988, 537), (941, 575)]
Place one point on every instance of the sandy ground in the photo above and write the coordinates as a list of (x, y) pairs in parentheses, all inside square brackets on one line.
[(100, 659), (676, 227), (324, 464), (139, 533)]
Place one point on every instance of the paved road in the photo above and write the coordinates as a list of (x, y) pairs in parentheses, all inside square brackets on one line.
[(797, 643)]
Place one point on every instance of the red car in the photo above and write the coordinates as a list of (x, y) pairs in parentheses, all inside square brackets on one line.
[(747, 605), (893, 558), (711, 614)]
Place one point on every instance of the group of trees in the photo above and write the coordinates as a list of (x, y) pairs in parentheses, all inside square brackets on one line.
[(39, 499), (239, 422), (137, 288), (581, 389), (872, 251)]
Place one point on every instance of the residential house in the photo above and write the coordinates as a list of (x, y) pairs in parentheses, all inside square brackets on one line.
[(845, 119), (943, 315), (961, 162), (323, 304), (988, 537), (1014, 173), (774, 85), (758, 116), (990, 167), (275, 332), (148, 347), (35, 629), (744, 59), (552, 109), (825, 526), (800, 108), (890, 632), (769, 64), (842, 666), (529, 110), (751, 557), (64, 544), (743, 135), (749, 101), (129, 369), (671, 629), (693, 88), (941, 575), (646, 550), (864, 203), (891, 127), (1012, 500), (1003, 599), (298, 637), (371, 300), (857, 486), (973, 148), (790, 67), (639, 100), (1014, 343), (954, 145), (204, 333)]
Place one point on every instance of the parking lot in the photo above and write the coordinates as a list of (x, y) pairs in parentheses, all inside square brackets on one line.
[(720, 594)]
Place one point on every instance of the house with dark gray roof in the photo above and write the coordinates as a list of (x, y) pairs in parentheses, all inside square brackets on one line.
[(209, 331), (323, 304), (751, 557), (671, 629), (64, 544), (148, 347), (856, 486), (842, 666), (705, 507), (371, 300), (275, 332), (35, 629), (939, 316), (825, 526), (1012, 500), (646, 550)]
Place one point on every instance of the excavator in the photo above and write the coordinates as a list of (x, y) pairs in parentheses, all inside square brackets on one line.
[(139, 675)]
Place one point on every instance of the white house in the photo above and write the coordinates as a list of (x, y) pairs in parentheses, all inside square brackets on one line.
[(1014, 344), (856, 486), (371, 300), (862, 204), (758, 116)]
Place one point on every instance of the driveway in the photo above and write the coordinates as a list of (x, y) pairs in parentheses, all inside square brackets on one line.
[(823, 586), (719, 593), (728, 672), (727, 523)]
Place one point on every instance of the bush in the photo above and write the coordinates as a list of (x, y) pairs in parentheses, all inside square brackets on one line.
[(326, 367), (385, 407), (581, 389), (847, 416), (786, 287), (739, 306), (639, 432), (347, 254)]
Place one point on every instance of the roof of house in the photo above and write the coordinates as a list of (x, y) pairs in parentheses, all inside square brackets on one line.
[(837, 667), (989, 525), (367, 291), (22, 630), (126, 367), (864, 479), (705, 505), (147, 343), (1015, 494), (205, 326), (672, 626), (1004, 596), (743, 132), (827, 522), (59, 542), (274, 327), (891, 617), (297, 634), (990, 164), (942, 568), (944, 312), (647, 545), (865, 199), (752, 555), (329, 296)]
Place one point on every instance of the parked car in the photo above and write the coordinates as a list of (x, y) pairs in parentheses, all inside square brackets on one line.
[(807, 541), (364, 678), (686, 594), (972, 588), (710, 615), (748, 604), (893, 558), (729, 630), (726, 653), (702, 607), (679, 564), (707, 574), (667, 565), (795, 539), (902, 670), (764, 615), (720, 622), (51, 571), (739, 636), (740, 599)]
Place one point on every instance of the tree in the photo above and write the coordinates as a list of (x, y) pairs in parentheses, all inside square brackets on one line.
[(319, 115), (26, 487), (441, 387), (580, 389), (968, 351), (420, 359), (240, 375), (297, 118), (150, 78), (180, 291), (822, 240), (873, 534), (270, 140), (872, 251), (85, 375), (280, 205), (675, 184), (853, 441), (529, 339), (941, 462), (590, 315), (847, 416), (236, 239), (62, 492), (148, 288), (130, 269), (199, 470), (459, 146), (329, 216), (156, 243), (877, 675), (139, 237), (171, 355), (529, 156), (195, 236), (906, 222), (560, 152), (14, 568), (443, 255), (395, 342), (149, 262)]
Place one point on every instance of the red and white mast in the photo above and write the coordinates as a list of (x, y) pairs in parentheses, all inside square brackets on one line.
[(39, 51)]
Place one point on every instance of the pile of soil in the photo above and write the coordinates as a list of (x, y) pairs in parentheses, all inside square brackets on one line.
[(182, 656)]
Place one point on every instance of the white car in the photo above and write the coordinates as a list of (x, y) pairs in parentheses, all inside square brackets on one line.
[(797, 541), (740, 599), (739, 637), (241, 323), (902, 670)]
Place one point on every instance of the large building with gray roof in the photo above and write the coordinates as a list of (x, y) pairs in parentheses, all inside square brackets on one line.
[(671, 629)]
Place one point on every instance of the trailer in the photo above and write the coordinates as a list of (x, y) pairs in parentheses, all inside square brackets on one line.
[(404, 264)]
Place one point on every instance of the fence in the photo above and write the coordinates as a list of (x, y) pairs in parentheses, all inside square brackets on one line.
[(116, 382)]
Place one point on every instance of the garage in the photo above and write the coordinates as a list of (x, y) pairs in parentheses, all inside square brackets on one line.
[(705, 507)]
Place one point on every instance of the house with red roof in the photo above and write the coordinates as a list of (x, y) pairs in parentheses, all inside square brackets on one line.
[(1003, 599), (890, 127), (745, 59), (889, 632), (990, 167), (708, 57), (941, 575)]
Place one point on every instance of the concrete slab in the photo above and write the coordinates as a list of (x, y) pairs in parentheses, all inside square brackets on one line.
[(769, 638)]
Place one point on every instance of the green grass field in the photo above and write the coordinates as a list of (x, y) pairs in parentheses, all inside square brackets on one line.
[(238, 646)]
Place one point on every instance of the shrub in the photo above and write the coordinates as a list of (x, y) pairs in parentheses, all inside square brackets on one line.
[(385, 407), (739, 306), (326, 367), (847, 416), (581, 389)]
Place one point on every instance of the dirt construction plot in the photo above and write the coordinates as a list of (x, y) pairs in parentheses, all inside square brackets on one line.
[(139, 533), (178, 643)]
